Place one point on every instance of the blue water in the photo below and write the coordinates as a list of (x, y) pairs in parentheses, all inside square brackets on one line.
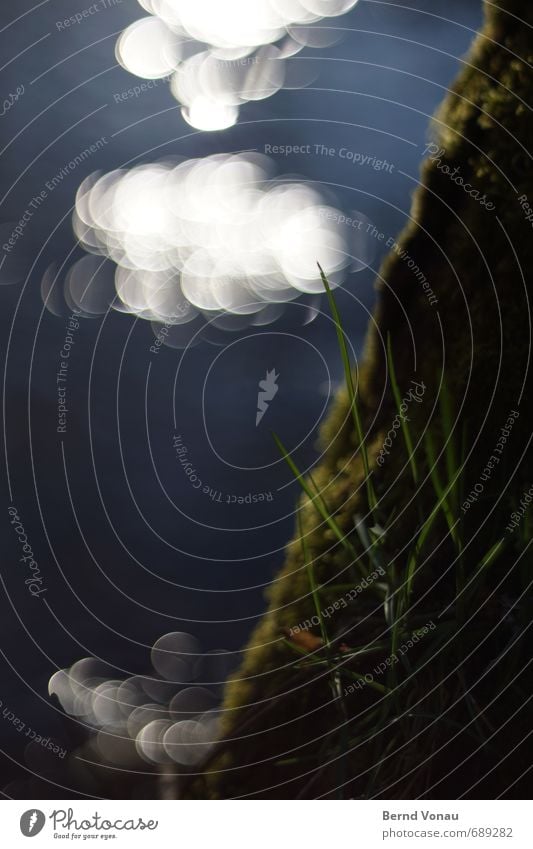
[(128, 548)]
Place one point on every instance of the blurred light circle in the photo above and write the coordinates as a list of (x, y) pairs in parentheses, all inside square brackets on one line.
[(265, 75), (208, 115), (233, 23), (187, 742), (105, 706), (234, 296), (214, 667), (142, 715), (60, 685), (268, 315), (222, 52), (174, 656), (51, 291), (157, 689), (130, 695), (329, 8), (149, 741), (148, 48), (90, 283), (216, 236), (199, 291), (83, 702), (173, 308), (88, 669), (221, 81), (231, 322), (294, 11), (190, 702), (310, 36)]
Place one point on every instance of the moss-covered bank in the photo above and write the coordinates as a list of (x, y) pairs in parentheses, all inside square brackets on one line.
[(461, 697)]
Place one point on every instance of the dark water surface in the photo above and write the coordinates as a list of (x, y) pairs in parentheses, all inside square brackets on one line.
[(128, 546)]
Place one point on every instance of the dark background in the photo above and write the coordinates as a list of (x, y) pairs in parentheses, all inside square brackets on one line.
[(127, 550)]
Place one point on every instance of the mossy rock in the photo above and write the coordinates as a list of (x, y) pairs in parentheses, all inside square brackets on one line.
[(462, 713)]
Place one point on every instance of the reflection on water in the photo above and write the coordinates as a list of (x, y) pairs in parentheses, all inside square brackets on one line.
[(203, 241), (171, 716), (221, 55)]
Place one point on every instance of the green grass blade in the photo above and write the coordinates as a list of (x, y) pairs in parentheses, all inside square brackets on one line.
[(413, 557), (315, 499), (479, 575), (380, 688), (441, 492), (372, 500), (491, 554), (449, 448), (301, 652), (405, 427), (312, 583)]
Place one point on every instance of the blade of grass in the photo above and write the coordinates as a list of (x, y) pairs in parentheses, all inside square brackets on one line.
[(464, 444), (356, 563), (371, 495), (442, 494), (315, 498), (379, 688), (448, 501), (493, 552), (414, 555), (335, 681), (405, 429), (335, 589), (475, 583), (301, 652), (371, 546), (312, 584), (449, 448)]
